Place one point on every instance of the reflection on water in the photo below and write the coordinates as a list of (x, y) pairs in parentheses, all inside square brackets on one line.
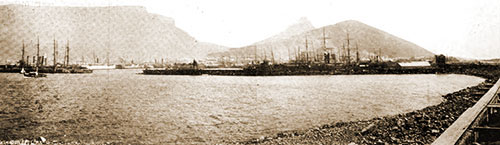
[(122, 106)]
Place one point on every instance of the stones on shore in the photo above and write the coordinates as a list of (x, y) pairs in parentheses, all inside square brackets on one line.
[(42, 139), (421, 126), (367, 129), (36, 140)]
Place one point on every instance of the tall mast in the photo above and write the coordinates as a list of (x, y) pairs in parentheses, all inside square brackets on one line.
[(289, 57), (379, 53), (357, 53), (22, 57), (272, 54), (94, 57), (307, 51), (65, 57), (324, 39), (297, 57), (37, 54), (324, 42), (329, 51), (343, 57), (348, 50), (67, 53), (55, 53), (255, 55), (313, 51), (265, 55)]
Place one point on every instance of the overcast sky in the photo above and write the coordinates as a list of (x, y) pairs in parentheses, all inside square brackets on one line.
[(468, 29)]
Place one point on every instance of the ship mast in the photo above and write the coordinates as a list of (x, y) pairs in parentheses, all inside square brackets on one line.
[(297, 57), (255, 55), (307, 52), (324, 48), (272, 54), (357, 53), (324, 39), (314, 55), (22, 57), (343, 57), (265, 55), (94, 58), (379, 53), (67, 54), (289, 57), (37, 54), (348, 50), (55, 54)]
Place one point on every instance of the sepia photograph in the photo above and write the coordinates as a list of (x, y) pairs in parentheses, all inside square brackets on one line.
[(319, 72)]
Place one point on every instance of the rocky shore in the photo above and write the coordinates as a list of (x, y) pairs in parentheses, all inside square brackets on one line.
[(38, 140), (417, 127)]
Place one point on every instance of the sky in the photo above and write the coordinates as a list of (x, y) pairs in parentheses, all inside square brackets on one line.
[(462, 28)]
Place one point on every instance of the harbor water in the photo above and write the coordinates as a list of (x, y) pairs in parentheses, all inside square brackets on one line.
[(123, 106)]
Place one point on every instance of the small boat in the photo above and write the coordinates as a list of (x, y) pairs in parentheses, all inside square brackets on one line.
[(22, 71), (99, 67), (34, 74)]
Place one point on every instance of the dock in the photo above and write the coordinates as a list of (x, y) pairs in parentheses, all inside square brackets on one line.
[(478, 124)]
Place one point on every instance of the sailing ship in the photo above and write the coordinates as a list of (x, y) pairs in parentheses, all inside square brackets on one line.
[(34, 74)]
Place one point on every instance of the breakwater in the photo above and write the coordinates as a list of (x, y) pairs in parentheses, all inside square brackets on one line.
[(478, 124), (283, 70), (417, 127)]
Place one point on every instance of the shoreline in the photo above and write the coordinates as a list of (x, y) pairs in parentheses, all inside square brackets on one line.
[(417, 127)]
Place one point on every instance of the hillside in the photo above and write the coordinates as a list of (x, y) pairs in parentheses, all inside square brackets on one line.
[(118, 32), (302, 25), (368, 39)]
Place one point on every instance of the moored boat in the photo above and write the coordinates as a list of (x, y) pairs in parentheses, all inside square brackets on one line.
[(99, 67), (34, 74)]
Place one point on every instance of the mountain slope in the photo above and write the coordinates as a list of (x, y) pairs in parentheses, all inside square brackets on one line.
[(368, 39), (126, 32), (303, 25)]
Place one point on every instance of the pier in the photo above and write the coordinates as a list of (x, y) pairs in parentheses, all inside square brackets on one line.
[(290, 69), (478, 124)]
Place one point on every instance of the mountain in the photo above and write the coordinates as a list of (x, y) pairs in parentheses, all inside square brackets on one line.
[(116, 32), (368, 39), (301, 26)]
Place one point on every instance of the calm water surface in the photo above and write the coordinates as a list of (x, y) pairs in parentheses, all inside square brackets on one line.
[(122, 106)]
